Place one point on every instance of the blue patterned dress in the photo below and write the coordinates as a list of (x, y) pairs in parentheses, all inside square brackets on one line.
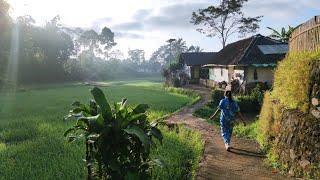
[(228, 108)]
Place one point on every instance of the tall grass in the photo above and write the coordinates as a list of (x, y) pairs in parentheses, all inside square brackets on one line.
[(187, 143), (292, 80)]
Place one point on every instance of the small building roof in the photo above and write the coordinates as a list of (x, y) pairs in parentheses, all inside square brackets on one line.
[(255, 50), (197, 58), (274, 49)]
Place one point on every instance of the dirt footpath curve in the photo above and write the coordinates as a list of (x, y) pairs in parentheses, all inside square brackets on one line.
[(243, 162)]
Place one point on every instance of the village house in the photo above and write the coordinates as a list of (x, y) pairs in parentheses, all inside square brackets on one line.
[(193, 62), (249, 60)]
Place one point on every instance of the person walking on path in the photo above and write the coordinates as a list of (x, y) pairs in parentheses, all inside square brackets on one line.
[(229, 108)]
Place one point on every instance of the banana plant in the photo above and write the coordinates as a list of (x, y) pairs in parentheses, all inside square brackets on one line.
[(282, 35), (118, 139)]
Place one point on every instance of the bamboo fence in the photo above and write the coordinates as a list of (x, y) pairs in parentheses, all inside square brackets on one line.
[(306, 37)]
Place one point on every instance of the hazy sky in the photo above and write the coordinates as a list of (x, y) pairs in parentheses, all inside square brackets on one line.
[(147, 24)]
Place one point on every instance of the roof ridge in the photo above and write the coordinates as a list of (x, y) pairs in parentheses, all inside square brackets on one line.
[(246, 52), (237, 41)]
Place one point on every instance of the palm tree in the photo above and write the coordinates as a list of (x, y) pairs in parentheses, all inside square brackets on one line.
[(283, 35)]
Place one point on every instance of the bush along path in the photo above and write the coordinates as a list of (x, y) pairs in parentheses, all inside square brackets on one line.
[(243, 162)]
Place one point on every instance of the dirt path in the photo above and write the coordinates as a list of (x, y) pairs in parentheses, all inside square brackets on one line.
[(243, 162)]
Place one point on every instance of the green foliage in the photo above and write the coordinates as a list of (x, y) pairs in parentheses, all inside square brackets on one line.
[(251, 103), (291, 87), (182, 91), (216, 97), (225, 19), (249, 131), (54, 53), (248, 104), (205, 112), (136, 56), (257, 93), (176, 82), (169, 53), (171, 74), (117, 140), (180, 154), (194, 81), (283, 35), (31, 141), (265, 123), (292, 90)]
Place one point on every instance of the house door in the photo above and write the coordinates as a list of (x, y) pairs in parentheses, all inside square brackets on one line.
[(196, 72), (230, 73)]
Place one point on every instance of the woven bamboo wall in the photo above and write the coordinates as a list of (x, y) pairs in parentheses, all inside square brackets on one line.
[(306, 37)]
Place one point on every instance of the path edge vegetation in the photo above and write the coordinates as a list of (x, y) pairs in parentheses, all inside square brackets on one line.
[(287, 130), (185, 92)]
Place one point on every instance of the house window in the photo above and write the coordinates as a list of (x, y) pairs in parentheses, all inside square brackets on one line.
[(221, 72), (255, 74)]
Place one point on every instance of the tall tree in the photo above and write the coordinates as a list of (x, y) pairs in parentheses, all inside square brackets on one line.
[(282, 35), (4, 15), (116, 55), (224, 20), (193, 48), (5, 24), (136, 56), (169, 53), (97, 44)]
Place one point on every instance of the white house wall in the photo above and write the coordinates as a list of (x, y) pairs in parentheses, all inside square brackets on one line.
[(216, 75), (187, 70), (265, 74), (239, 74)]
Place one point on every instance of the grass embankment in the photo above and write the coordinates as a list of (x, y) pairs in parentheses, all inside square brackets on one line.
[(32, 145), (287, 131)]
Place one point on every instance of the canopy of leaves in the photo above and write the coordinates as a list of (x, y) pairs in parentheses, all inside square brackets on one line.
[(225, 20), (136, 56), (98, 44), (170, 52), (54, 53)]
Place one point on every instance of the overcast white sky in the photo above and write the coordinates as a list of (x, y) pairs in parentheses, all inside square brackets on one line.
[(147, 24)]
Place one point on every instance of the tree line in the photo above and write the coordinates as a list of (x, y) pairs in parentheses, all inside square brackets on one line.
[(56, 53)]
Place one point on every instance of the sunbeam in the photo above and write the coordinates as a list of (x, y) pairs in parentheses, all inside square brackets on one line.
[(12, 69)]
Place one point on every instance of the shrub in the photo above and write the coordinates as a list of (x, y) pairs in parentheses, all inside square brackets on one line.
[(182, 91), (194, 81), (257, 94), (265, 122), (248, 104), (205, 112), (292, 87), (252, 85), (117, 140), (250, 131), (216, 96), (176, 82), (251, 103)]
